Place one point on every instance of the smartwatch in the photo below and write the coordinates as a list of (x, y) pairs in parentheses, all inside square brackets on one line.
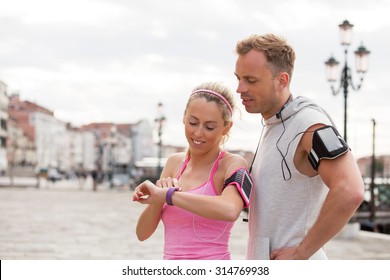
[(168, 196)]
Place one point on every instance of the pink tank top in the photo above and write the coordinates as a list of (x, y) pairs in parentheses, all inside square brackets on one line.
[(189, 236)]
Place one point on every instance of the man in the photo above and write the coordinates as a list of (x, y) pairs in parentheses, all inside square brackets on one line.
[(307, 183)]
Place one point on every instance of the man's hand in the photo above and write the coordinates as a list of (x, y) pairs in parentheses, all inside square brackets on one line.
[(291, 253)]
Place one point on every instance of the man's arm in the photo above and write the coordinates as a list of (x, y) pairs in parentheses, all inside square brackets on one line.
[(346, 190)]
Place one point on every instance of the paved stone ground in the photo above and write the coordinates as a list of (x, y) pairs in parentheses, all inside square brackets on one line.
[(68, 221)]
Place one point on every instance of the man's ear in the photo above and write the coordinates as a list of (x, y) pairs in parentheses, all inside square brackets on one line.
[(283, 79)]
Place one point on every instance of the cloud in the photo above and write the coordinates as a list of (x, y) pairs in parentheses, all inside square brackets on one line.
[(83, 12), (99, 60)]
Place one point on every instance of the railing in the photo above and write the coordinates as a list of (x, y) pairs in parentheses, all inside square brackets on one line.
[(381, 217)]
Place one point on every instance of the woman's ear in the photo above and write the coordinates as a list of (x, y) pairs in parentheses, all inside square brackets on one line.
[(227, 128)]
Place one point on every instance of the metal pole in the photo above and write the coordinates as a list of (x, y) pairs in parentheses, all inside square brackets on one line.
[(111, 167), (160, 122), (372, 185), (159, 147), (345, 82), (345, 112)]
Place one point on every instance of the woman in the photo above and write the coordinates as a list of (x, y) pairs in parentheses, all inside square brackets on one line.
[(197, 211)]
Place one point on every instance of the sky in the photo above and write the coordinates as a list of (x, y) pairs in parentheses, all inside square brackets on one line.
[(115, 60)]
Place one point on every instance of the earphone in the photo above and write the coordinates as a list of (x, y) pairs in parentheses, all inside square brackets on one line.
[(286, 173), (279, 114)]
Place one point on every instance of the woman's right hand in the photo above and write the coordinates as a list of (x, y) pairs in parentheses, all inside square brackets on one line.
[(140, 192), (167, 182), (149, 193)]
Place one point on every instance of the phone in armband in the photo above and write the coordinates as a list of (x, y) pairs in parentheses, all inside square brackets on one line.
[(326, 144), (243, 182)]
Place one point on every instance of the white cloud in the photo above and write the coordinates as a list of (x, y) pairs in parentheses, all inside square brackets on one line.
[(86, 12), (99, 60)]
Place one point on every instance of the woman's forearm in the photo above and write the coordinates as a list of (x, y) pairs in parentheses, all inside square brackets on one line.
[(148, 221)]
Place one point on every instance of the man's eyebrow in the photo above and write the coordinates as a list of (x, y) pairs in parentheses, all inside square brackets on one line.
[(245, 76)]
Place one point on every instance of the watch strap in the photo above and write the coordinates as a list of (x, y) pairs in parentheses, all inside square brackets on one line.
[(168, 197)]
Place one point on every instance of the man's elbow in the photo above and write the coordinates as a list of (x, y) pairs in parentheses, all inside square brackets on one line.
[(355, 197), (358, 198)]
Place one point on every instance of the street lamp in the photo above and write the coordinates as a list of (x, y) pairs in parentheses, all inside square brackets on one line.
[(159, 120), (361, 55), (372, 185), (111, 162)]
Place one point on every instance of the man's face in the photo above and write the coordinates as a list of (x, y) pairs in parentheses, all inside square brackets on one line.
[(256, 84)]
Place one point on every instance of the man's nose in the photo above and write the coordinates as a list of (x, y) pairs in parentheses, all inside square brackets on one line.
[(241, 87)]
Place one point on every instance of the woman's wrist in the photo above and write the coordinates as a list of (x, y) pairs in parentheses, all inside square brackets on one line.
[(169, 194)]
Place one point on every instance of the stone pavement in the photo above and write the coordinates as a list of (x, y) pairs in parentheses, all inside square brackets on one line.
[(68, 221)]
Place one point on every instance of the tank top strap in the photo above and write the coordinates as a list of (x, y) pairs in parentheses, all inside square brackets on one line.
[(215, 166), (183, 166), (213, 170)]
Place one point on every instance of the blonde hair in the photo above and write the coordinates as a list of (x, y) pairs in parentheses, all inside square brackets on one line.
[(219, 89)]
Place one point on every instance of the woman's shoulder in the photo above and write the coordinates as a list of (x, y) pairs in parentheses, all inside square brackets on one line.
[(173, 164), (234, 159), (233, 156), (229, 163), (176, 158)]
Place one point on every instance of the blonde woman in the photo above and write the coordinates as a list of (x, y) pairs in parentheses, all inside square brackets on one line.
[(196, 209)]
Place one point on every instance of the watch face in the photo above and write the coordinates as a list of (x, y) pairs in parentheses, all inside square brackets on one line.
[(330, 139)]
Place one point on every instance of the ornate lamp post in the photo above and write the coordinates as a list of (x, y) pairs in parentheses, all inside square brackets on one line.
[(159, 120), (372, 185), (346, 74), (112, 141)]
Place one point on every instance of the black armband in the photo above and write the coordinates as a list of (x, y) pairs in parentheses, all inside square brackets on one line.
[(243, 182), (326, 144)]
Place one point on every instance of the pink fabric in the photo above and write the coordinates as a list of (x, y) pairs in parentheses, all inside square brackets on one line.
[(189, 236)]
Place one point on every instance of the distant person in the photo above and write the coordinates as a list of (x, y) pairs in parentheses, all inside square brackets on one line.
[(82, 177), (197, 211), (306, 182), (94, 175), (53, 175)]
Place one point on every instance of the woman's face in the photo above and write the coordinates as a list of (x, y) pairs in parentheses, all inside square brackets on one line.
[(204, 125)]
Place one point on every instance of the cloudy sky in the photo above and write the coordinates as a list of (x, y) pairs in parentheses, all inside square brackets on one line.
[(114, 60)]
